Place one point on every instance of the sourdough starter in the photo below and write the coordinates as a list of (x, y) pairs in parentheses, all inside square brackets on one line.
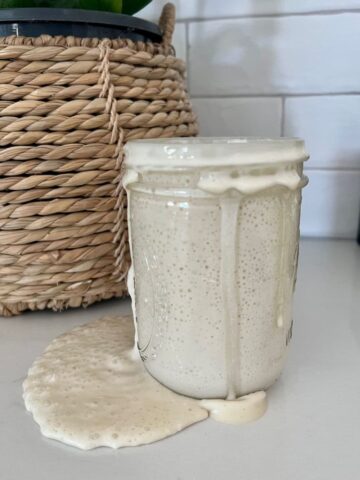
[(214, 228)]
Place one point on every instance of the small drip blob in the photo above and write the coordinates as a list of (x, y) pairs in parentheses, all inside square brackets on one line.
[(245, 409)]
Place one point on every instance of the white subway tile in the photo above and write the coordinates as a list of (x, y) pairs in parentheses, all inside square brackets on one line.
[(300, 54), (228, 8), (331, 204), (152, 12), (179, 40), (330, 127), (239, 116)]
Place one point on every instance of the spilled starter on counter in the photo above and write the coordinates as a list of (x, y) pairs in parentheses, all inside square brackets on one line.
[(90, 389)]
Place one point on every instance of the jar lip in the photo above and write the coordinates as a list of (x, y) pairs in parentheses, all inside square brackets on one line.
[(192, 152)]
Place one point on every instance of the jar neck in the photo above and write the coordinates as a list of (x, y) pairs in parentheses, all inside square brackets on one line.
[(246, 179)]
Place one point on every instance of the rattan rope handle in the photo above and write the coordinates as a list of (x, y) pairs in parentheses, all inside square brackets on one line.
[(116, 138), (167, 24)]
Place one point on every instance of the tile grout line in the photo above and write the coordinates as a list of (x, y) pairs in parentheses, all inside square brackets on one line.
[(282, 126), (325, 236), (187, 56), (269, 15), (277, 95), (331, 169)]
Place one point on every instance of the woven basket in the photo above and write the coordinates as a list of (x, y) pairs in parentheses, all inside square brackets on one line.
[(67, 105)]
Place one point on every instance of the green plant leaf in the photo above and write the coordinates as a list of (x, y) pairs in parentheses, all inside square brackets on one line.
[(105, 5), (129, 7), (132, 6)]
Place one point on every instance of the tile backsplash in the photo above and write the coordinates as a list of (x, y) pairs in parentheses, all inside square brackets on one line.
[(280, 67)]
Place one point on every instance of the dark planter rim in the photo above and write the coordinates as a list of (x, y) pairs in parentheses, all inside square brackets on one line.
[(88, 18)]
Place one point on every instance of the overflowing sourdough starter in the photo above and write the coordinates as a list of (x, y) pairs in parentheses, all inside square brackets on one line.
[(214, 253), (215, 265), (90, 389)]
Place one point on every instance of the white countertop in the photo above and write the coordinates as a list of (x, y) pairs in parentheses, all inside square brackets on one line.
[(310, 432)]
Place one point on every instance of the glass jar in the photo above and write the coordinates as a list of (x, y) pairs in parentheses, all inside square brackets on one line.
[(214, 236)]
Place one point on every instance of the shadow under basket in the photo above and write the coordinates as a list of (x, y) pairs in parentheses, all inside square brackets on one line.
[(67, 106)]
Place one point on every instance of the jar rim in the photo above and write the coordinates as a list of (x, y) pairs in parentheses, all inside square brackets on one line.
[(192, 152)]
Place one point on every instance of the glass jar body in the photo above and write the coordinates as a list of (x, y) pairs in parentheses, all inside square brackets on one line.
[(214, 273)]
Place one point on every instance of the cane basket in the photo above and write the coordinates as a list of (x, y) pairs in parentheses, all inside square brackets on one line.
[(67, 105)]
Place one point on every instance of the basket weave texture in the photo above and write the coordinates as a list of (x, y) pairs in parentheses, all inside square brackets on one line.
[(67, 105)]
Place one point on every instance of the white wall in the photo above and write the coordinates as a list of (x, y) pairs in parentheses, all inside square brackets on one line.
[(282, 67)]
